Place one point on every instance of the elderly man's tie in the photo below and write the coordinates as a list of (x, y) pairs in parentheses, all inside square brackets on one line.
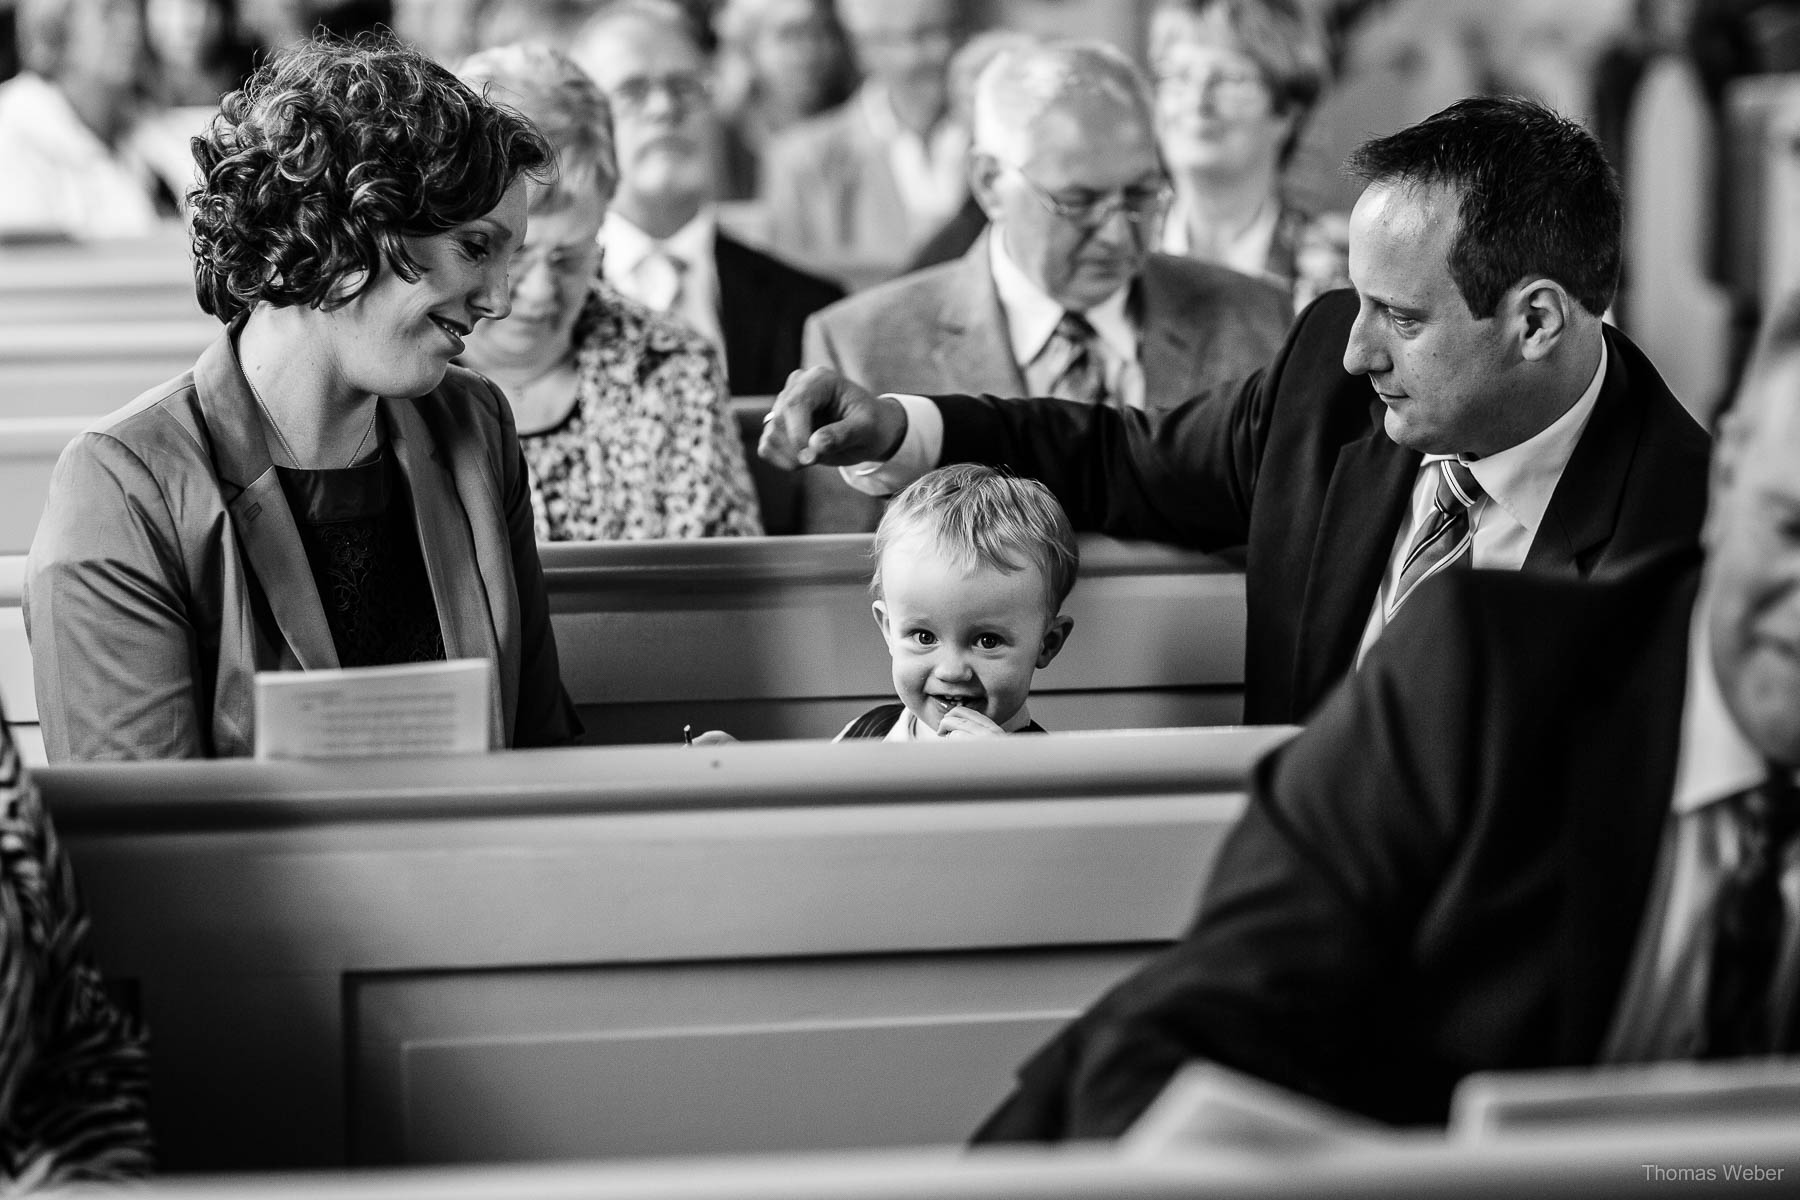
[(1748, 925), (1083, 374), (1446, 538)]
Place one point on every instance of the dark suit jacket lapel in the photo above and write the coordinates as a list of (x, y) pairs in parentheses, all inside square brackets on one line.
[(744, 318), (1619, 780), (1365, 503), (457, 514), (259, 510), (1171, 340), (973, 346), (1584, 509)]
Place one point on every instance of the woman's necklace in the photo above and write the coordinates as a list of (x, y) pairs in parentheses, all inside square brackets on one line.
[(374, 412)]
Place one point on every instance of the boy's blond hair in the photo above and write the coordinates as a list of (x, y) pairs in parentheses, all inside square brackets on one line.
[(975, 514)]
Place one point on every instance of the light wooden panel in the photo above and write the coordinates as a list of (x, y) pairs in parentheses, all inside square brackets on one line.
[(772, 637), (299, 932), (1572, 1164)]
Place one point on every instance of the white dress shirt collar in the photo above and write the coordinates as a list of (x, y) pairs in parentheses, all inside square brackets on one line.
[(1715, 759), (1522, 478), (1032, 316), (627, 247)]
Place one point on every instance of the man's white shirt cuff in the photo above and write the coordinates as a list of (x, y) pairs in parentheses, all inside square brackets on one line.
[(919, 451)]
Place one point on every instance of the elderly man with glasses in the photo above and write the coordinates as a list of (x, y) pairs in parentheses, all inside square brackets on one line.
[(1063, 295)]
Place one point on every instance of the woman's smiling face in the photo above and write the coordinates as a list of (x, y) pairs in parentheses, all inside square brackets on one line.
[(397, 338)]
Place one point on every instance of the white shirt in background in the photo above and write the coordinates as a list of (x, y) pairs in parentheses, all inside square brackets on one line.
[(60, 178), (634, 265)]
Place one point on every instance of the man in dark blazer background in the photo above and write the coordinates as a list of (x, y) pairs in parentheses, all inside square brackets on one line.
[(1069, 120), (1484, 251), (1547, 824), (663, 243)]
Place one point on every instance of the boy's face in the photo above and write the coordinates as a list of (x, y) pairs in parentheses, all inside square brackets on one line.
[(963, 637)]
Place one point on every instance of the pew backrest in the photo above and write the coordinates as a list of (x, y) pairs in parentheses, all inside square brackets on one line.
[(773, 637)]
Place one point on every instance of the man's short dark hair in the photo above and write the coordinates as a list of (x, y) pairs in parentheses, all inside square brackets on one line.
[(1538, 196)]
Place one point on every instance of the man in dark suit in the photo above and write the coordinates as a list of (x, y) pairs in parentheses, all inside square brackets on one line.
[(662, 238), (1465, 405), (1546, 824), (1071, 119)]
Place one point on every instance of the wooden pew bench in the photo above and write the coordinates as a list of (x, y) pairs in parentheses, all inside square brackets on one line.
[(1578, 1164), (628, 951), (772, 638)]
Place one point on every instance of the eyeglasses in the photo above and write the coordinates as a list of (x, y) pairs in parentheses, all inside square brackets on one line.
[(1140, 202), (1231, 87), (685, 91)]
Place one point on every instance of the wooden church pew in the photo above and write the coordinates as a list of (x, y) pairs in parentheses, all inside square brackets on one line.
[(627, 951), (772, 638), (1685, 1159)]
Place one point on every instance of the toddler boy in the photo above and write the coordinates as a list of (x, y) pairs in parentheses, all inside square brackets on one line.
[(971, 571)]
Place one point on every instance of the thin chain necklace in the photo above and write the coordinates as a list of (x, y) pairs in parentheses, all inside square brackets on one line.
[(374, 412)]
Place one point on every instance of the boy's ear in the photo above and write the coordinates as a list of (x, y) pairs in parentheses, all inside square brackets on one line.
[(1054, 639), (879, 608)]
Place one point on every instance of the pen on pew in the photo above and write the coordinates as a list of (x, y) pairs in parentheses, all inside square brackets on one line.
[(687, 735)]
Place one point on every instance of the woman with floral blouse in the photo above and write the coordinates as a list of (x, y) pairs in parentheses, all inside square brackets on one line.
[(623, 413)]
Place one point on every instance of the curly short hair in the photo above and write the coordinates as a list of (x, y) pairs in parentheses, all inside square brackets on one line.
[(975, 515), (1537, 196), (544, 85), (330, 156)]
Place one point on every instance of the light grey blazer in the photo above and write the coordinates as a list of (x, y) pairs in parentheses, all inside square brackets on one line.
[(942, 330), (831, 197), (168, 570)]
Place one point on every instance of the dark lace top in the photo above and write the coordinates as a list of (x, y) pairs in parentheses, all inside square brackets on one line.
[(357, 526)]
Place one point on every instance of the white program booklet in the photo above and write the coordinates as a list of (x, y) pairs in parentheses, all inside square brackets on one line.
[(368, 712)]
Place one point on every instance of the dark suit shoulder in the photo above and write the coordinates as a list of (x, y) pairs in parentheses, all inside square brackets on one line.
[(780, 281), (1542, 623)]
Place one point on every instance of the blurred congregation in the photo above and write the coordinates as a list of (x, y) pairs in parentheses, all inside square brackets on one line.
[(1320, 477)]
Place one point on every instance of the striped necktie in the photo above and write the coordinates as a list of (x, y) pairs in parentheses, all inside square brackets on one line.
[(1083, 374), (1447, 536), (1747, 927)]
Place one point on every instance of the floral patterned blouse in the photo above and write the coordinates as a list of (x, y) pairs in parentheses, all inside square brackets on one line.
[(651, 449), (73, 1073)]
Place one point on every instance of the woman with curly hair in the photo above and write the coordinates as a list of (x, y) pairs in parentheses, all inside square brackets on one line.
[(622, 411), (322, 488)]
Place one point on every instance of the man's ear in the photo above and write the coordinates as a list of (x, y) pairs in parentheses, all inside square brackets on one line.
[(984, 169), (1543, 309), (1055, 638)]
